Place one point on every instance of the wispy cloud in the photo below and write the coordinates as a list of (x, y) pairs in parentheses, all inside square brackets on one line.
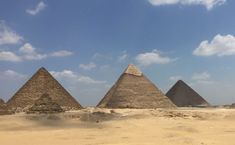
[(221, 45), (99, 56), (25, 52), (7, 35), (88, 89), (203, 77), (209, 4), (61, 53), (9, 56), (123, 57), (39, 7), (88, 66), (154, 57), (75, 77), (11, 74), (175, 78), (29, 52)]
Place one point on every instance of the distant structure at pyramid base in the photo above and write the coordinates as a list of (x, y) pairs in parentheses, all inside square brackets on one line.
[(184, 96), (134, 90), (42, 82), (45, 105), (3, 108), (232, 106)]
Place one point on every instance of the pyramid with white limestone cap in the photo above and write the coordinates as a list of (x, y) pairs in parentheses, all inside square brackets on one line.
[(133, 70), (134, 90)]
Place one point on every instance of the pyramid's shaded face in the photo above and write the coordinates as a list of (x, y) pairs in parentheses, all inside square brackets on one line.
[(3, 108), (134, 90), (2, 101), (42, 82), (184, 96)]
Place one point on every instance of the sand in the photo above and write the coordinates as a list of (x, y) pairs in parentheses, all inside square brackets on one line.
[(121, 127)]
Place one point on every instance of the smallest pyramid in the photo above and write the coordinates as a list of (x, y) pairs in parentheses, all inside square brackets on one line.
[(2, 101), (3, 108), (184, 96), (45, 105), (232, 105)]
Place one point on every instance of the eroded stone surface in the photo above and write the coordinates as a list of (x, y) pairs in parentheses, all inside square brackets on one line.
[(45, 105)]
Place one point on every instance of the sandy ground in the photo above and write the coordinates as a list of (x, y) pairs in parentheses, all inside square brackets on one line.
[(121, 127)]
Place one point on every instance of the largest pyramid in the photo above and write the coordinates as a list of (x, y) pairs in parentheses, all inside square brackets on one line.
[(42, 82), (134, 90), (184, 96)]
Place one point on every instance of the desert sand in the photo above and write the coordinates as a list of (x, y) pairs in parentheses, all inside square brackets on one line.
[(185, 126)]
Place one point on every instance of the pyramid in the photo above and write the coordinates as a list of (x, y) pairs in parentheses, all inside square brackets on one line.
[(40, 83), (3, 108), (134, 90), (45, 105), (184, 96)]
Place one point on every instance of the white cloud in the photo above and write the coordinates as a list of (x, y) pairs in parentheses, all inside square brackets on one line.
[(75, 77), (175, 78), (123, 57), (27, 48), (89, 90), (219, 46), (203, 77), (61, 53), (98, 56), (10, 74), (154, 57), (7, 35), (88, 80), (29, 52), (88, 66), (209, 4), (14, 74), (40, 6), (9, 56), (64, 74)]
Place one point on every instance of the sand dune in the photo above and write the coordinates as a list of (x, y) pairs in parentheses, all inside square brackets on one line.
[(121, 127)]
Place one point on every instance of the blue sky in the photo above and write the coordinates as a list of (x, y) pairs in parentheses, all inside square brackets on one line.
[(87, 44)]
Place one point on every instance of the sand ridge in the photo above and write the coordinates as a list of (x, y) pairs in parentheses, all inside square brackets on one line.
[(94, 126)]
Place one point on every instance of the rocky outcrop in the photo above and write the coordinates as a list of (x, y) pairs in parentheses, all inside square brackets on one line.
[(45, 105), (3, 108)]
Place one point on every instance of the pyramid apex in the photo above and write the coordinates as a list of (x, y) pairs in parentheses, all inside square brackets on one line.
[(180, 81), (133, 70), (42, 68)]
